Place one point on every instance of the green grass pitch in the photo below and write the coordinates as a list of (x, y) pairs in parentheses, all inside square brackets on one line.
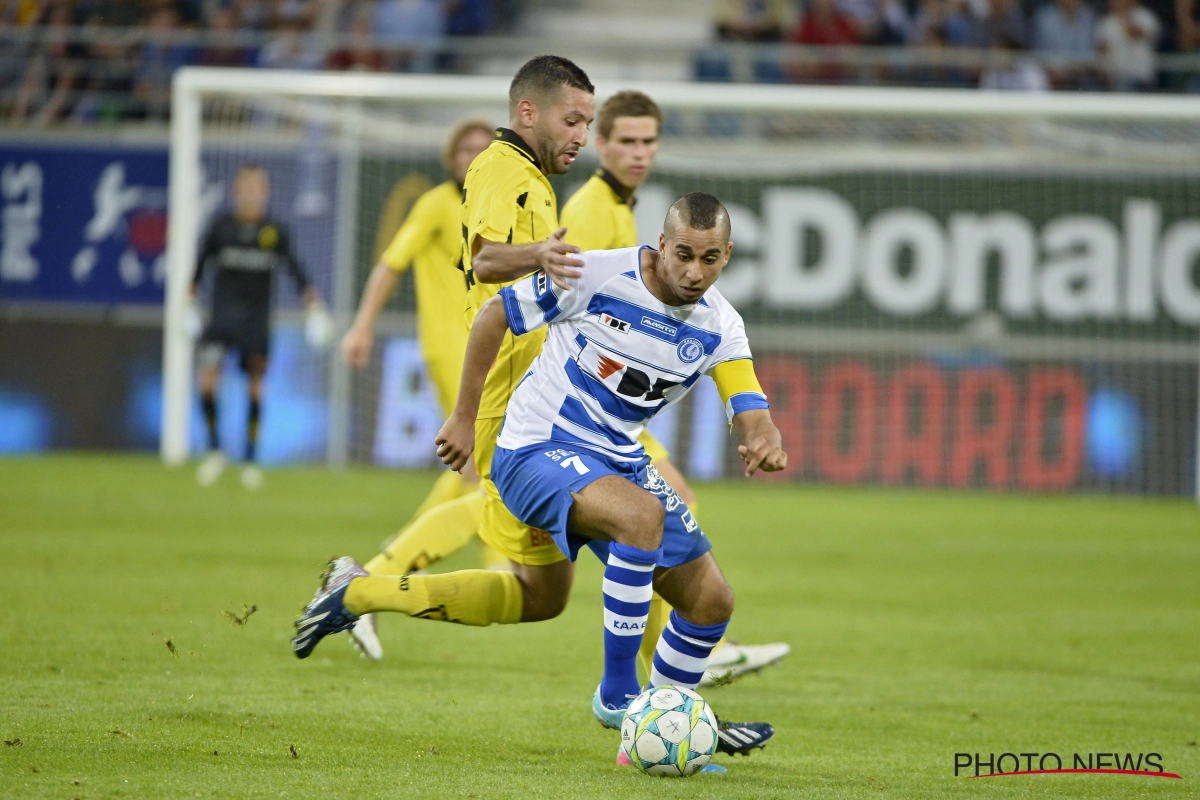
[(922, 624)]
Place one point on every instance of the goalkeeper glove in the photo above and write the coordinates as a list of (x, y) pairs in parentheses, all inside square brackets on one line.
[(193, 322), (318, 326)]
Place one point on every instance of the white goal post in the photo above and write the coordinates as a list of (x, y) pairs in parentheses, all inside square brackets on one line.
[(1096, 270)]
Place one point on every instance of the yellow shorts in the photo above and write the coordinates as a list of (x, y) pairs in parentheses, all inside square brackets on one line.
[(499, 528), (653, 448)]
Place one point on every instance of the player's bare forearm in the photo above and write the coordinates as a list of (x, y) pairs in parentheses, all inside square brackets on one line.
[(379, 288), (500, 263), (762, 445), (497, 262), (357, 343), (456, 439)]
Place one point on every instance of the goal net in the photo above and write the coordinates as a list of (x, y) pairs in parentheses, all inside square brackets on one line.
[(941, 288)]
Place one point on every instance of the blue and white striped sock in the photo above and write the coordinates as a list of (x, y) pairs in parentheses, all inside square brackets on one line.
[(627, 590), (682, 652)]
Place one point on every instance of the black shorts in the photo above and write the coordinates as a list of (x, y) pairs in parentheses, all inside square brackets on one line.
[(250, 338)]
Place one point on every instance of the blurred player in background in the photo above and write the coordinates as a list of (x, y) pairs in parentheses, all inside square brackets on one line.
[(430, 240), (245, 247), (600, 217)]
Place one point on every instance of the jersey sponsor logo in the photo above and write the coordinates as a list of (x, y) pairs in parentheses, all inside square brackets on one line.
[(659, 325), (651, 323), (249, 259), (636, 384), (616, 324), (268, 237), (608, 366), (689, 350)]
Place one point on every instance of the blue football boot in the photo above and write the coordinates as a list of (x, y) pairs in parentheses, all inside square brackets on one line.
[(740, 738), (326, 614), (609, 717)]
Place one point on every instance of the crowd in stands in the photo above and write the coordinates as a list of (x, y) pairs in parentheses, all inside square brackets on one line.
[(83, 66), (1036, 44)]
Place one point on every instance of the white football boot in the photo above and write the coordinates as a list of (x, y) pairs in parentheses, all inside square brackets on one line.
[(210, 468), (365, 639), (731, 660), (252, 477)]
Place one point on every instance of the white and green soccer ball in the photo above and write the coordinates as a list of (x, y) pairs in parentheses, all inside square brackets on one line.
[(669, 731)]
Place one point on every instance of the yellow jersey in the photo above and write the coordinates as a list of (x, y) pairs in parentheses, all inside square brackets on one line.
[(431, 242), (598, 216), (506, 198)]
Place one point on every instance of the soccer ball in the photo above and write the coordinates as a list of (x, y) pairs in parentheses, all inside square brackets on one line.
[(669, 731)]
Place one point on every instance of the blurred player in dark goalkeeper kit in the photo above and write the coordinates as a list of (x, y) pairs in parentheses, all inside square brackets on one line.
[(245, 247)]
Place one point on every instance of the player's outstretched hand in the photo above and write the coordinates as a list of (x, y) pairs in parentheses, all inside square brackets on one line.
[(554, 257), (762, 454), (455, 442), (356, 346)]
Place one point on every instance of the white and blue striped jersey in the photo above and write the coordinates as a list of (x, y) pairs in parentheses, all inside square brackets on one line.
[(615, 356)]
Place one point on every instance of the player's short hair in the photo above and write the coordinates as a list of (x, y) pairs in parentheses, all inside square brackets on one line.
[(544, 75), (252, 166), (700, 211), (457, 134), (629, 103)]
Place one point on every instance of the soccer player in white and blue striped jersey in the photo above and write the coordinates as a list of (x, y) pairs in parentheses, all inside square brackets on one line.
[(625, 341)]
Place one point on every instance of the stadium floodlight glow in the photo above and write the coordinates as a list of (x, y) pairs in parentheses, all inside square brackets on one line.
[(1033, 253)]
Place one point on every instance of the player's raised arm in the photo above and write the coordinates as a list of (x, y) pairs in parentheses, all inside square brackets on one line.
[(496, 262), (456, 439)]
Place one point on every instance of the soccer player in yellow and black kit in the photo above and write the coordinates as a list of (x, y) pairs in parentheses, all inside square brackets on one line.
[(599, 216), (510, 228), (430, 240)]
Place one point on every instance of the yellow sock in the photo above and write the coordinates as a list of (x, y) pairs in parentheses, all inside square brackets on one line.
[(660, 612), (448, 486), (469, 597), (431, 537)]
